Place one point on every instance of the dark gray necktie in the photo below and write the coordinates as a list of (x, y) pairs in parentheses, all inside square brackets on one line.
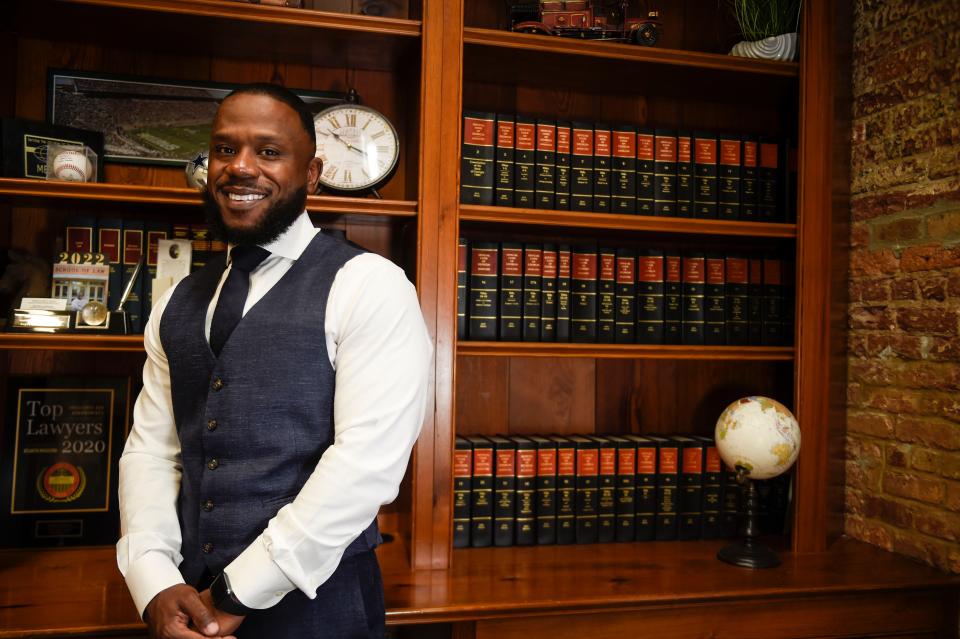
[(233, 295)]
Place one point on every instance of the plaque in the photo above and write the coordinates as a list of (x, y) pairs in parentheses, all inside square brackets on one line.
[(62, 439), (24, 146)]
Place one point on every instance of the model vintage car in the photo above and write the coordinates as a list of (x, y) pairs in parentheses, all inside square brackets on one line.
[(586, 19)]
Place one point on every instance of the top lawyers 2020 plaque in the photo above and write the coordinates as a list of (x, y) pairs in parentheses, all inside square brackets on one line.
[(62, 441)]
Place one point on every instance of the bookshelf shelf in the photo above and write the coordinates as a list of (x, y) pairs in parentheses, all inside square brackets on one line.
[(70, 342), (23, 189), (627, 351), (475, 213)]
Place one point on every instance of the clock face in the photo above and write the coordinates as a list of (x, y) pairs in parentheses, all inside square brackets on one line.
[(358, 146)]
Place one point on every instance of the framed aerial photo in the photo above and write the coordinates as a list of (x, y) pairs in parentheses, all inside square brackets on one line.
[(147, 120), (61, 445)]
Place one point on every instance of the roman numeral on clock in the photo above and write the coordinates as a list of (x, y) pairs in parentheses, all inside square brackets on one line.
[(347, 177), (351, 119), (334, 122), (331, 172)]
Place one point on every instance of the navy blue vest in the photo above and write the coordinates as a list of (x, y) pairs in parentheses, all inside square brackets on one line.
[(254, 422)]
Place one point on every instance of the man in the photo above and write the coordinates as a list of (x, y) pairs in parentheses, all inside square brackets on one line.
[(248, 487)]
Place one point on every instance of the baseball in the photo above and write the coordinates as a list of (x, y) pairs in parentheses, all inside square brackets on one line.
[(72, 166)]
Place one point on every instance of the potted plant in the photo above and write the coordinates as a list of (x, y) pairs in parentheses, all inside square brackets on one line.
[(769, 28)]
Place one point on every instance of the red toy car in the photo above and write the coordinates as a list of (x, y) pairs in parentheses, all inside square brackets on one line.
[(586, 19)]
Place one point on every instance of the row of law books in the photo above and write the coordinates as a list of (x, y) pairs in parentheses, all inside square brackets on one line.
[(523, 162), (584, 489), (513, 291), (124, 243)]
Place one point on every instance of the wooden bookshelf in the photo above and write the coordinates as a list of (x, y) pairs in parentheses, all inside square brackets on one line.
[(627, 351), (70, 342)]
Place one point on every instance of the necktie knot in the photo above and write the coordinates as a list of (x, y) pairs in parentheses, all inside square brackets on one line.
[(247, 258)]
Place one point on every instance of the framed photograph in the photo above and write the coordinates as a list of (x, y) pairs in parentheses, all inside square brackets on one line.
[(145, 120), (62, 439)]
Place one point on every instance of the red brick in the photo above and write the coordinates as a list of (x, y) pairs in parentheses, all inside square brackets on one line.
[(872, 372), (903, 289), (913, 545), (897, 230), (872, 206), (872, 318), (887, 510), (891, 401), (853, 502), (942, 524), (873, 424), (928, 320), (927, 431), (926, 460), (864, 263), (912, 486), (929, 257), (953, 285), (952, 499), (933, 288), (859, 234), (897, 455), (946, 405), (944, 225), (946, 190), (932, 375), (895, 344), (875, 290), (870, 532)]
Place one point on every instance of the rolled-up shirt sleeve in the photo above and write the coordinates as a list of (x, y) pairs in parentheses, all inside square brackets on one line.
[(381, 352)]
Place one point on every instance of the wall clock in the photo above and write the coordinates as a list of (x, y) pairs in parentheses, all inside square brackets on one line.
[(359, 148)]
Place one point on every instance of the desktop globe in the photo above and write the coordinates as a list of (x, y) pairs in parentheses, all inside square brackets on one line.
[(759, 438)]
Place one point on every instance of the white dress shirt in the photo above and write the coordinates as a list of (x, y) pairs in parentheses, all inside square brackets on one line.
[(379, 347)]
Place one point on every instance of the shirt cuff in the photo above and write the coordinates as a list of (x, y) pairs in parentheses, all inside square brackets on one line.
[(148, 575), (255, 579)]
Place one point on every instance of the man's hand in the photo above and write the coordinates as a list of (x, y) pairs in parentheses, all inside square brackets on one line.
[(170, 614), (227, 623)]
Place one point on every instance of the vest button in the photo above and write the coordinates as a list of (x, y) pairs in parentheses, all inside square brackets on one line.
[(207, 548), (217, 384), (211, 425), (213, 463), (208, 505)]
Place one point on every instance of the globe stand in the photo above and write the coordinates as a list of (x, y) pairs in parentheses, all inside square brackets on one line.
[(749, 553)]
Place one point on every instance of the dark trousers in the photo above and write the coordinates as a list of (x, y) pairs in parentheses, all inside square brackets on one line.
[(349, 605)]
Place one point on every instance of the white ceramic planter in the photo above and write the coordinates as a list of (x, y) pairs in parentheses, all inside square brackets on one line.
[(781, 47)]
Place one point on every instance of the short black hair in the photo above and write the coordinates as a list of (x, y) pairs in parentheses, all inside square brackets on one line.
[(281, 94)]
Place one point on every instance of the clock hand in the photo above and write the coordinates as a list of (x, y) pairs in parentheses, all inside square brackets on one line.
[(347, 144)]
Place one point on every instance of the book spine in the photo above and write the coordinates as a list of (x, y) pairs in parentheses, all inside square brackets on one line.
[(650, 297), (626, 318), (647, 488), (749, 187), (715, 311), (481, 494), (566, 493), (482, 320), (712, 491), (768, 201), (691, 496), (504, 492), (624, 188), (607, 491), (583, 295), (705, 171), (772, 302), (155, 231), (668, 469), (789, 306), (607, 296), (564, 266), (755, 301), (505, 153), (693, 292), (463, 250), (525, 167), (789, 161), (546, 183), (587, 495), (511, 292), (476, 158), (110, 244), (646, 172), (602, 144), (728, 188), (685, 177), (526, 492), (562, 200), (673, 298), (626, 490), (79, 234), (581, 168), (133, 247), (665, 173), (730, 508), (532, 289), (546, 492), (548, 297), (200, 241), (736, 300), (462, 476)]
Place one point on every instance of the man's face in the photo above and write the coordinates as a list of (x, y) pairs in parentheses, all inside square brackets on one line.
[(261, 167)]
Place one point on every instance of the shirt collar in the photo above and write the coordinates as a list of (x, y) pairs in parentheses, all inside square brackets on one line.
[(294, 240)]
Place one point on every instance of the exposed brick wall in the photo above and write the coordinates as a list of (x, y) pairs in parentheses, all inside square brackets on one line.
[(903, 443)]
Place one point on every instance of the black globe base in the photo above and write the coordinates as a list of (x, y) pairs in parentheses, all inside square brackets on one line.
[(749, 554)]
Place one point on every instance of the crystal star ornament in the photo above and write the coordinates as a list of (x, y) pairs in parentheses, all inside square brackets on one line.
[(196, 170)]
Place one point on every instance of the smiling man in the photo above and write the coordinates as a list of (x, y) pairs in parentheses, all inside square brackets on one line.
[(283, 391)]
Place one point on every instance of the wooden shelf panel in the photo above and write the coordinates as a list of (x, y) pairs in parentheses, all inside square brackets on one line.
[(70, 342), (134, 194), (626, 351), (619, 51), (678, 225), (269, 14)]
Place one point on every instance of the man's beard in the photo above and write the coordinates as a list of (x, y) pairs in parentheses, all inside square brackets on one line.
[(274, 222)]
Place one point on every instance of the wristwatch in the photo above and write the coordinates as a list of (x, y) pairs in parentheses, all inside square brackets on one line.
[(224, 599)]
